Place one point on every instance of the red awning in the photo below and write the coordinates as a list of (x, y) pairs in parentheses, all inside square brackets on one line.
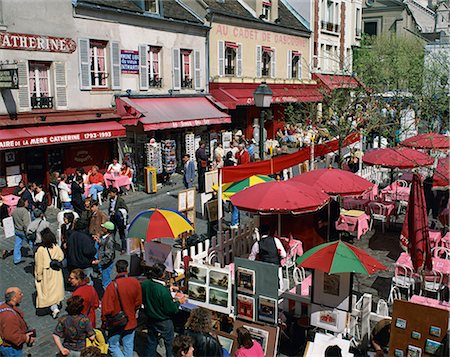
[(231, 44), (234, 94), (59, 134), (170, 113), (332, 81)]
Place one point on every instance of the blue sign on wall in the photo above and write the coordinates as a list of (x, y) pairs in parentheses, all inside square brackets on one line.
[(129, 61)]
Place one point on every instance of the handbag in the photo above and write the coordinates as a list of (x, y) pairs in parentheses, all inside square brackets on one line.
[(118, 320), (54, 264), (32, 235)]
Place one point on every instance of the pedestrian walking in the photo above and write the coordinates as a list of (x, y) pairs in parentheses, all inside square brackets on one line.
[(159, 308), (77, 188), (21, 218), (118, 214), (124, 294), (79, 280), (40, 198), (64, 191), (35, 228), (98, 217), (49, 279), (202, 164), (188, 172), (106, 252), (14, 331)]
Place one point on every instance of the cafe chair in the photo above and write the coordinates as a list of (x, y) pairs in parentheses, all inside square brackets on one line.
[(402, 183), (432, 283), (441, 252), (299, 275), (378, 212), (402, 279), (401, 204), (382, 308), (395, 294)]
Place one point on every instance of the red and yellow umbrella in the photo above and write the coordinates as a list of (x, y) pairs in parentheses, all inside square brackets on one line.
[(158, 223)]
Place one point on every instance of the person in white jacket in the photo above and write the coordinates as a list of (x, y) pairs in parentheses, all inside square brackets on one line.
[(64, 193)]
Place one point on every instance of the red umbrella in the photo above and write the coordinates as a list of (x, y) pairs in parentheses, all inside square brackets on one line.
[(428, 141), (335, 182), (441, 177), (415, 234), (280, 197), (398, 157)]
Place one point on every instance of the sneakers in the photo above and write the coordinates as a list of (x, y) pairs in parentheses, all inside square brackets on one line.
[(55, 313), (236, 226)]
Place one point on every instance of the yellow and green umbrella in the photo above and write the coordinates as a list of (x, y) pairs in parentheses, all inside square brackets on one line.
[(229, 189), (158, 223)]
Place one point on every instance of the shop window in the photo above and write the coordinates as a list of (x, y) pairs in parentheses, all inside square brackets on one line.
[(151, 6), (266, 9), (266, 63), (230, 61), (186, 72), (154, 67), (97, 59), (296, 65), (39, 81), (371, 28)]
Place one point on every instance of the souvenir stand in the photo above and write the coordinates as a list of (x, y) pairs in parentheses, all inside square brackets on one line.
[(153, 155)]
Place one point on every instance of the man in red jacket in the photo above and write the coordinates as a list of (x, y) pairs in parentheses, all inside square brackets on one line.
[(128, 290), (242, 156)]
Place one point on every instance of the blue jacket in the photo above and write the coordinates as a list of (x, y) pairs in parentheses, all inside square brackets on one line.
[(189, 172)]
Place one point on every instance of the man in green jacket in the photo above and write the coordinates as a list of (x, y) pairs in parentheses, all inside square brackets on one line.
[(159, 307)]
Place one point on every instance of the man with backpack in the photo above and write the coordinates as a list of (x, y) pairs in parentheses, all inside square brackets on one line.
[(35, 228), (21, 218)]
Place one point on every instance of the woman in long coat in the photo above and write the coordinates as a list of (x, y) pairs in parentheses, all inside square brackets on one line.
[(49, 282)]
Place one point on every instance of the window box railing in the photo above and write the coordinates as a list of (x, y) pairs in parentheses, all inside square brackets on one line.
[(329, 26), (155, 82), (41, 102), (186, 83), (229, 71)]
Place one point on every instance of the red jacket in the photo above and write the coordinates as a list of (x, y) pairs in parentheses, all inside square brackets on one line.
[(243, 158), (90, 298), (130, 295), (13, 327), (96, 179)]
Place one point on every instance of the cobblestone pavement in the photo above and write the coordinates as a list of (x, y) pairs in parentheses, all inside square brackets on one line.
[(384, 247)]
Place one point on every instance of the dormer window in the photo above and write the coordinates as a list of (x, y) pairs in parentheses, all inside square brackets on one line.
[(152, 6), (266, 9)]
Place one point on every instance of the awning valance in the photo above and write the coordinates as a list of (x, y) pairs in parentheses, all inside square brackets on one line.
[(332, 81)]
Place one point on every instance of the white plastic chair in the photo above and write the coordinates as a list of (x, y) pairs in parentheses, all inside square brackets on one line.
[(299, 275), (432, 283), (378, 212), (441, 252), (403, 279), (382, 308), (395, 294), (402, 183)]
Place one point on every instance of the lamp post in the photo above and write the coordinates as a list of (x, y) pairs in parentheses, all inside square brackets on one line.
[(263, 97)]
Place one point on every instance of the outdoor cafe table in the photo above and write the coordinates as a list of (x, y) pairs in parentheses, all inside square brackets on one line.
[(117, 181), (395, 192), (422, 300), (353, 221), (11, 202), (355, 203), (441, 265)]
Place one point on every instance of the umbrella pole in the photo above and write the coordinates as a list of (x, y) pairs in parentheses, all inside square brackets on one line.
[(329, 222), (219, 208), (279, 225)]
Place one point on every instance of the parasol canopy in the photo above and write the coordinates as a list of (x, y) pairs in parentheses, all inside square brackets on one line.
[(229, 189), (335, 182), (441, 177), (415, 232), (158, 223), (398, 157), (428, 141), (339, 257), (280, 197)]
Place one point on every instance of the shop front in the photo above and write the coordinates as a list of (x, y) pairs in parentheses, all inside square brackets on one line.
[(31, 153)]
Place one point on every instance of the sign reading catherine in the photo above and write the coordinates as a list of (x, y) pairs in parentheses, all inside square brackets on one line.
[(129, 61), (27, 42)]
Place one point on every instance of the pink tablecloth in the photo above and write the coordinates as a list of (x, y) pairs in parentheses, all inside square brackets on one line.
[(422, 300), (11, 201), (442, 265), (117, 181), (360, 224), (356, 203), (306, 284), (394, 192)]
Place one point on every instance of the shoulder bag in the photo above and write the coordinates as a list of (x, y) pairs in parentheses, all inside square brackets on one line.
[(118, 320), (54, 264)]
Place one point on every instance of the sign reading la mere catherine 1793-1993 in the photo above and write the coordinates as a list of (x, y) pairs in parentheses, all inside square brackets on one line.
[(31, 42)]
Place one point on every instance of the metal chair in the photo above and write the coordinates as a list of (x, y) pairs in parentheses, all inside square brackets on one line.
[(299, 275), (441, 252), (394, 294), (378, 212), (432, 283), (403, 279), (382, 308), (402, 183)]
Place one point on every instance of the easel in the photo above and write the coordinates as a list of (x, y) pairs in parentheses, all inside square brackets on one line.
[(186, 204)]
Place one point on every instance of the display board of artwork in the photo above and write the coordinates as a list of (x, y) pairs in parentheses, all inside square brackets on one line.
[(417, 330), (332, 290), (211, 179), (169, 156), (256, 291), (190, 145), (153, 155), (328, 318), (186, 204), (266, 336), (210, 287), (157, 252)]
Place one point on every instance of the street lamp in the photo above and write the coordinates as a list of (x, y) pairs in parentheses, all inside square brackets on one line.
[(263, 97)]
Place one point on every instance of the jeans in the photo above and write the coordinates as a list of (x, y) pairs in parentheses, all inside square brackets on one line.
[(234, 216), (127, 338), (163, 328), (88, 272), (94, 190), (66, 205), (20, 237), (106, 275), (10, 352)]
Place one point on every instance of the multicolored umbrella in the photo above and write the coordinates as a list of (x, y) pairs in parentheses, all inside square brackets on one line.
[(398, 157), (158, 223), (339, 257), (428, 141), (229, 189), (335, 182)]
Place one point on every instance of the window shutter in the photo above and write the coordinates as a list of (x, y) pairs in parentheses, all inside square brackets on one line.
[(221, 64), (239, 61), (85, 66), (143, 67), (115, 66), (24, 93), (273, 64), (289, 64), (299, 67), (60, 85), (176, 69), (258, 61), (197, 70)]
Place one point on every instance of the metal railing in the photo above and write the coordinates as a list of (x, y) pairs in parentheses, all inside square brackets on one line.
[(41, 102)]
